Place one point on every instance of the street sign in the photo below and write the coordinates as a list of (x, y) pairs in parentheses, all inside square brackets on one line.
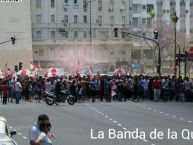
[(135, 65), (187, 56)]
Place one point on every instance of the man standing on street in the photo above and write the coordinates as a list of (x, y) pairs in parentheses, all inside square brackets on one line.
[(35, 130), (18, 90)]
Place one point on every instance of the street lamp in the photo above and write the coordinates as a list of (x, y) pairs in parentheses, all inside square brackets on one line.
[(175, 20)]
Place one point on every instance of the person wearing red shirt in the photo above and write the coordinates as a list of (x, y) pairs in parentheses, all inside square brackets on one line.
[(157, 84), (5, 90)]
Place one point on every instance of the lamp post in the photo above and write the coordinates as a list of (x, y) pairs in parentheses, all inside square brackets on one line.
[(90, 27), (175, 20)]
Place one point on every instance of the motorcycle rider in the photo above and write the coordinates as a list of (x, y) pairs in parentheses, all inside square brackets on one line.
[(57, 90)]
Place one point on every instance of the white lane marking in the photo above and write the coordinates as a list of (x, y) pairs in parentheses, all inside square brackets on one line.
[(161, 112), (110, 119), (149, 108), (181, 118), (166, 114), (19, 133), (96, 110), (154, 110), (119, 125), (145, 140), (99, 112), (10, 127), (25, 137), (174, 116), (189, 121)]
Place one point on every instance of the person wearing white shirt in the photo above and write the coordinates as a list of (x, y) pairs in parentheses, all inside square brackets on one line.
[(18, 89)]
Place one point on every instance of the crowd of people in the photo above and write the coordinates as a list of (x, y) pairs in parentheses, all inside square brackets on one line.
[(109, 88)]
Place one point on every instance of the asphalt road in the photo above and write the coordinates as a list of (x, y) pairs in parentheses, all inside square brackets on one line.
[(82, 123)]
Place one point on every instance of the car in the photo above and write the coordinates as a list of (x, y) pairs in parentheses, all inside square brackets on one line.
[(5, 135)]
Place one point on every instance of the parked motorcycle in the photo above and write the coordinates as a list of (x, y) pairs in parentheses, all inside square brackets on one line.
[(50, 98)]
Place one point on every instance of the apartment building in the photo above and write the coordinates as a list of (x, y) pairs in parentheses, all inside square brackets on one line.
[(145, 16), (61, 33)]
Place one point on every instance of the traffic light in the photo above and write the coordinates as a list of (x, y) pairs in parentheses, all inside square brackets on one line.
[(116, 32), (158, 69), (13, 40), (20, 65), (155, 34), (16, 68)]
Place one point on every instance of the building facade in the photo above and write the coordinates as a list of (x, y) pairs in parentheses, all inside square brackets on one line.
[(151, 15), (15, 22), (61, 33)]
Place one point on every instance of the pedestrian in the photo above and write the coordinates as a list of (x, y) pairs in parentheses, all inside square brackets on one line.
[(157, 84), (18, 90), (43, 138), (38, 131), (5, 90)]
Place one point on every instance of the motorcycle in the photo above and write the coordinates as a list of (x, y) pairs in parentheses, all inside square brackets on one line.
[(50, 98)]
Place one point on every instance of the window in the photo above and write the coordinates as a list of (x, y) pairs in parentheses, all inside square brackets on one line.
[(65, 18), (52, 18), (85, 5), (143, 21), (112, 20), (99, 5), (148, 53), (136, 8), (75, 19), (66, 34), (38, 18), (52, 3), (123, 6), (123, 20), (149, 22), (111, 6), (143, 7), (123, 35), (75, 1), (38, 35), (123, 52), (149, 8), (84, 19), (52, 34), (111, 53), (136, 54), (41, 52), (136, 21), (38, 3), (75, 34), (124, 59), (100, 19), (85, 34), (65, 1)]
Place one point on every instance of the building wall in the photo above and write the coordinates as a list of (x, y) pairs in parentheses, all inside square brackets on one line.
[(67, 46), (15, 21)]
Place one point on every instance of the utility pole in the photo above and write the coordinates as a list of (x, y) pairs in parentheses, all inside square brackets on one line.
[(90, 2)]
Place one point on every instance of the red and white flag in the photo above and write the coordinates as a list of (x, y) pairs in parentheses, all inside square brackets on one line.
[(34, 67), (7, 70)]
